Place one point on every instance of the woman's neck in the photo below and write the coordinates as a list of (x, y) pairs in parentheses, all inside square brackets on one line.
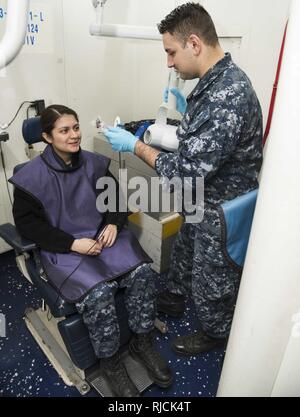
[(66, 157)]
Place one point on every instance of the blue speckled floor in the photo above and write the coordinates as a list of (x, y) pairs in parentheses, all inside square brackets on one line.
[(26, 372)]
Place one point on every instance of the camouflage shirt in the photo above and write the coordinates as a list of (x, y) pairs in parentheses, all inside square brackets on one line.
[(220, 136)]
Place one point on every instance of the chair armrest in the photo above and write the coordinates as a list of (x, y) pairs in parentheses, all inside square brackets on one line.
[(9, 233)]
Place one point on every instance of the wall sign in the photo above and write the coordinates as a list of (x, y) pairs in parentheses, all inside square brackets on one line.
[(39, 35)]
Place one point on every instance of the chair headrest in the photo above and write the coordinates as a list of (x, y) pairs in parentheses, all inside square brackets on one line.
[(32, 130)]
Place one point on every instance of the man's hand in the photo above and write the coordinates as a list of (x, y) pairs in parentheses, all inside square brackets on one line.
[(108, 237), (87, 246), (120, 139)]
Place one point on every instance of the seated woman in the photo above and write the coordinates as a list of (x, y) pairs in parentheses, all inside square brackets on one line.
[(87, 255)]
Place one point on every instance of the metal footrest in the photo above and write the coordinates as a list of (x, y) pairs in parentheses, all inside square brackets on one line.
[(136, 371)]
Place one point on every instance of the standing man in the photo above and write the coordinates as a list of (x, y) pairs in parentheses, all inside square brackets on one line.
[(220, 140)]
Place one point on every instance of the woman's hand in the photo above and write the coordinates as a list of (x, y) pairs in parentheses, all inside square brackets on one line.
[(108, 237), (87, 246)]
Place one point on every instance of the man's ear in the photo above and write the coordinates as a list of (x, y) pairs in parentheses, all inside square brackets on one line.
[(195, 43), (47, 137)]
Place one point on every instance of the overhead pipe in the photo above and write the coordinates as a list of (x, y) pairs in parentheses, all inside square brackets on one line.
[(263, 351), (120, 31), (15, 31)]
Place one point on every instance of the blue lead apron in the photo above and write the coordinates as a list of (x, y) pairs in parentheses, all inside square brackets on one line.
[(68, 196), (236, 222)]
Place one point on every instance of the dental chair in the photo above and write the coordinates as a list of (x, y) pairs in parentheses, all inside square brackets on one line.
[(57, 326)]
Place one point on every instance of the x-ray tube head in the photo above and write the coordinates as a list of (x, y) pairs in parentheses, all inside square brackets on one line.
[(162, 136)]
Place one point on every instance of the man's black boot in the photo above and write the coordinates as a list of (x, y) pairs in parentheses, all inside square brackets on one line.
[(196, 343), (116, 375), (169, 303), (141, 348)]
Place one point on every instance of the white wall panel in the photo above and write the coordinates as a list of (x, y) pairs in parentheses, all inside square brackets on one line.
[(287, 383), (261, 25), (263, 349)]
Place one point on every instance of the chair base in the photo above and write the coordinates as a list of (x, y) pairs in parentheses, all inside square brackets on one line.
[(47, 335)]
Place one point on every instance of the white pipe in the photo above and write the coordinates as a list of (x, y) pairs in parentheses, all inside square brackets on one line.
[(120, 31), (269, 296), (125, 31), (99, 6), (15, 31)]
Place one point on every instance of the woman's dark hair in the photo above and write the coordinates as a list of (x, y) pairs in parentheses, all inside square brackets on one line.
[(188, 19), (53, 113)]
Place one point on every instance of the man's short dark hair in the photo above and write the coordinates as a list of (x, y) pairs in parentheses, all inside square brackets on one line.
[(188, 19)]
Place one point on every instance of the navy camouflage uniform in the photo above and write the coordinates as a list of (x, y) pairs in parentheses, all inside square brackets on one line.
[(220, 139), (99, 313)]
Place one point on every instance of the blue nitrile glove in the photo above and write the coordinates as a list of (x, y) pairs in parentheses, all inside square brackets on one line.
[(120, 139), (181, 102)]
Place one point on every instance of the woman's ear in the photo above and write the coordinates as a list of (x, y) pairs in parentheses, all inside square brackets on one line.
[(47, 137)]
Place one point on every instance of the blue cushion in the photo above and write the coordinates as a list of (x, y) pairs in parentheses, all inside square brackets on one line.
[(237, 218), (32, 130)]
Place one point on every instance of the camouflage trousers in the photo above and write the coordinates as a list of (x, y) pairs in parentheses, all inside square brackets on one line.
[(99, 312), (200, 270)]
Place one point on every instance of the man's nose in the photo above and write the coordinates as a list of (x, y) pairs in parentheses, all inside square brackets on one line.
[(170, 62)]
